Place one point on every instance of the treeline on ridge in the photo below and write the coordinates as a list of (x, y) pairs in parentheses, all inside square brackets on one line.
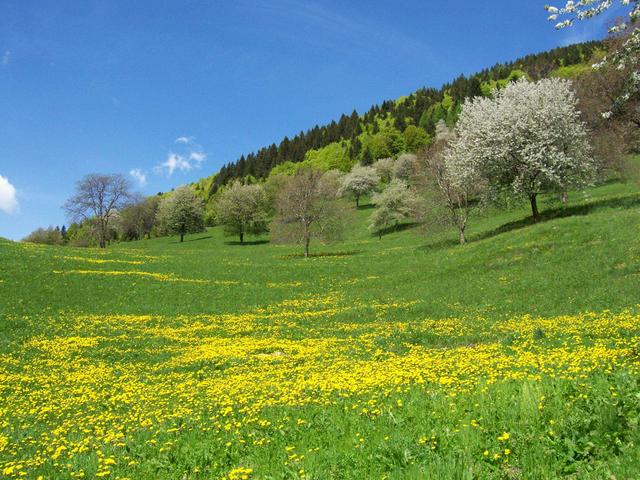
[(391, 127)]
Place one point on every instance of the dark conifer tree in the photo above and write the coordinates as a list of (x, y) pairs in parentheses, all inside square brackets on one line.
[(367, 158), (422, 108)]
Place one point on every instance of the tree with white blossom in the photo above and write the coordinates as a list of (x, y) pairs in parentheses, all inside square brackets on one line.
[(384, 168), (395, 204), (405, 167), (526, 140), (242, 209), (359, 181), (626, 57)]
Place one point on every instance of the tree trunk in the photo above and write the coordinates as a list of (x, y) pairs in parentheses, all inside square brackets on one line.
[(379, 234), (181, 237), (306, 246), (357, 201), (462, 239), (103, 234), (534, 207), (242, 239), (564, 197)]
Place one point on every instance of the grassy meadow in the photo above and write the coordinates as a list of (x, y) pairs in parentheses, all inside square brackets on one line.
[(515, 356)]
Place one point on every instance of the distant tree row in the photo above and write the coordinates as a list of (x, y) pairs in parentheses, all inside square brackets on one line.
[(48, 236)]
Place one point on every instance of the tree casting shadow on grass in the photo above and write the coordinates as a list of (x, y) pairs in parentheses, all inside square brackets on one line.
[(322, 254), (396, 228), (194, 239), (368, 206), (629, 201), (246, 242)]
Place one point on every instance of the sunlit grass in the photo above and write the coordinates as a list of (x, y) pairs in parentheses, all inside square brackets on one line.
[(515, 356)]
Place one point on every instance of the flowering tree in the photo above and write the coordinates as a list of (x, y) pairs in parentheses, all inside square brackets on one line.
[(525, 140), (242, 209), (181, 213), (395, 204), (358, 182), (626, 57), (384, 168), (585, 9), (405, 167)]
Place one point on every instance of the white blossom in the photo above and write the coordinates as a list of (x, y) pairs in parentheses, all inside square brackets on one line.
[(627, 57), (585, 9), (527, 139), (360, 181)]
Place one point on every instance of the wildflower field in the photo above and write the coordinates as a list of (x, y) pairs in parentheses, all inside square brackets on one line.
[(515, 356)]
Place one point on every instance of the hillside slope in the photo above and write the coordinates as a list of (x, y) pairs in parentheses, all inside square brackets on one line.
[(514, 356), (395, 125)]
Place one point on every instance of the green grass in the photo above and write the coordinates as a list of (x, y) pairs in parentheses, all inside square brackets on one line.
[(76, 344)]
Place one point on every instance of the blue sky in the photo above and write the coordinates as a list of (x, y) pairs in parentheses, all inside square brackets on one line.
[(171, 90)]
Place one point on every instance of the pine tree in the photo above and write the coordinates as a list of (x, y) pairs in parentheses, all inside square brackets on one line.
[(367, 158)]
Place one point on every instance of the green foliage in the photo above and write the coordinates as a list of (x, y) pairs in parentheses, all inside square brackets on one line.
[(415, 138), (572, 72), (387, 142), (377, 146), (242, 210), (447, 102), (81, 235), (46, 236), (138, 219), (515, 75), (423, 108), (334, 156), (286, 168), (367, 157), (180, 213)]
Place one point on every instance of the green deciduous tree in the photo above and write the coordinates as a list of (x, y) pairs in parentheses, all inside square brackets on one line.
[(139, 219), (180, 213), (46, 236), (415, 138), (243, 210)]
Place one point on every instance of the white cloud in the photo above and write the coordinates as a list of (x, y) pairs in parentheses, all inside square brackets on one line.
[(197, 156), (8, 200), (139, 176), (172, 163), (4, 60), (191, 157)]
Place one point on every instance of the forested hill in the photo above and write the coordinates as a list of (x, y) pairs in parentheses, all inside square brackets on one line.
[(394, 126)]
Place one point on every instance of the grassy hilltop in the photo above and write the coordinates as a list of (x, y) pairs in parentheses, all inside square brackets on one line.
[(515, 356)]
